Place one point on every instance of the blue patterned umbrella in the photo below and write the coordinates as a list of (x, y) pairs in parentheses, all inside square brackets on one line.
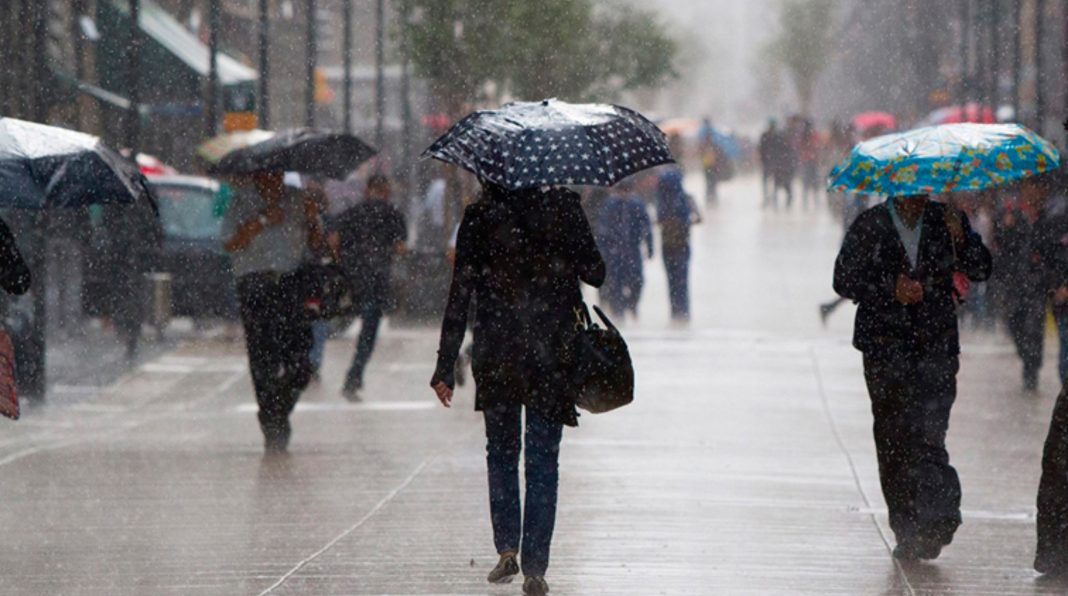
[(947, 158), (549, 143)]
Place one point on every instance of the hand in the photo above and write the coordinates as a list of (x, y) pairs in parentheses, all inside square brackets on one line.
[(953, 222), (274, 215), (908, 291), (1060, 295), (444, 393)]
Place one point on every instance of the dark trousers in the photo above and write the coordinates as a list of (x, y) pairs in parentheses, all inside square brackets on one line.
[(504, 436), (677, 264), (1026, 318), (1052, 521), (278, 337), (911, 397), (365, 344)]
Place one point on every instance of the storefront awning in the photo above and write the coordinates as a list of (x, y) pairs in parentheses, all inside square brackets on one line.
[(165, 30)]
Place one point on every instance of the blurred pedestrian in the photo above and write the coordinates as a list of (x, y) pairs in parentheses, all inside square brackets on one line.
[(1027, 238), (132, 239), (714, 161), (782, 160), (898, 262), (809, 147), (676, 213), (268, 229), (622, 227), (522, 255), (367, 237), (765, 149)]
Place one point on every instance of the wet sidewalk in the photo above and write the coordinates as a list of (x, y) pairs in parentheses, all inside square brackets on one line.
[(745, 466)]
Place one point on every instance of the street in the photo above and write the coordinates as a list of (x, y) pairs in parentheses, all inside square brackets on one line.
[(745, 465)]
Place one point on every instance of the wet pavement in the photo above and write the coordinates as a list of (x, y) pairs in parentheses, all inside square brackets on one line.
[(745, 466)]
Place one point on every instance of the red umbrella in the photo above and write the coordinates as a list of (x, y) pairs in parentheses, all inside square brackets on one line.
[(969, 112), (868, 120)]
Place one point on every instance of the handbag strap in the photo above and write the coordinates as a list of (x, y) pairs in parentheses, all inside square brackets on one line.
[(604, 318)]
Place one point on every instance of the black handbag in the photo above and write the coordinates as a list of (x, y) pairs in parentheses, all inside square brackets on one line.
[(603, 372), (325, 291)]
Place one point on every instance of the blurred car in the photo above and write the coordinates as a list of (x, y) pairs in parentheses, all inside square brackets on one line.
[(190, 211)]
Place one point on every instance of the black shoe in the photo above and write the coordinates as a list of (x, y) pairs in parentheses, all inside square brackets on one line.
[(276, 437), (535, 585), (914, 549), (505, 571)]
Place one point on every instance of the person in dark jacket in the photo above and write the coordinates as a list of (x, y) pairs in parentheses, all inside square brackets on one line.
[(623, 226), (14, 274), (521, 255), (367, 237), (1029, 237), (676, 213), (897, 263)]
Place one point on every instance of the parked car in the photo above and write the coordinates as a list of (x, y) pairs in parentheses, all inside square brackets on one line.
[(202, 282)]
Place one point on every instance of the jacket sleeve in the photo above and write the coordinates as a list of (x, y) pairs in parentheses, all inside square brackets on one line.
[(646, 228), (856, 276), (588, 262), (973, 258), (14, 274), (454, 325)]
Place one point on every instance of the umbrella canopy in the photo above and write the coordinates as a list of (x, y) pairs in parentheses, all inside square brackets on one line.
[(301, 150), (44, 167), (150, 165), (215, 148), (943, 159), (868, 120), (550, 142)]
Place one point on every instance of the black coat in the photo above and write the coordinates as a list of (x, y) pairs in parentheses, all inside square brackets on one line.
[(14, 274), (871, 258), (368, 234), (521, 257)]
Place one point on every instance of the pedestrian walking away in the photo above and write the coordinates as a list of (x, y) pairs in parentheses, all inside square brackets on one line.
[(897, 263), (622, 228), (521, 256), (268, 229), (367, 237), (676, 213)]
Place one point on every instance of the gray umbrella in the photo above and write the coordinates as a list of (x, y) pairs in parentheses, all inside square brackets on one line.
[(302, 150)]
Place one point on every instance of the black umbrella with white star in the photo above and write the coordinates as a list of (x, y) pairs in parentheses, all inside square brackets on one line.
[(553, 143)]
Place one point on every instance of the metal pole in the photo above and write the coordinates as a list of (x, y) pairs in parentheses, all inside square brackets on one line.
[(406, 109), (1017, 56), (965, 51), (133, 79), (211, 127), (1040, 66), (264, 100), (380, 90), (993, 18), (309, 60), (346, 107)]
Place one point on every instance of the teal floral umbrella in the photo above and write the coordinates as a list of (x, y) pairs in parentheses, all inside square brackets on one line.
[(947, 158)]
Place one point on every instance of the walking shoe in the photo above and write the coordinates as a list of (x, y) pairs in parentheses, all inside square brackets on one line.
[(276, 437), (535, 585), (505, 571), (914, 549)]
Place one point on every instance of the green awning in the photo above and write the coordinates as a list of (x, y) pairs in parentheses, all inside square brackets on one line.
[(165, 30)]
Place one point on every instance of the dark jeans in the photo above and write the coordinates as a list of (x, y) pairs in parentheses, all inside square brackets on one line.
[(365, 344), (504, 436), (677, 264), (1052, 520), (1060, 316), (1026, 319), (279, 338), (911, 397)]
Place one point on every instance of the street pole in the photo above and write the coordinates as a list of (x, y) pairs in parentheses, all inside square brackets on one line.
[(346, 107), (380, 90), (33, 376), (133, 79), (993, 19), (264, 100), (1040, 67), (1064, 71), (212, 112), (965, 51), (309, 60), (406, 108), (1017, 56)]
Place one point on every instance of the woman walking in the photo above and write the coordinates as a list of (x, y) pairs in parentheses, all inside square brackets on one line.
[(521, 255)]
